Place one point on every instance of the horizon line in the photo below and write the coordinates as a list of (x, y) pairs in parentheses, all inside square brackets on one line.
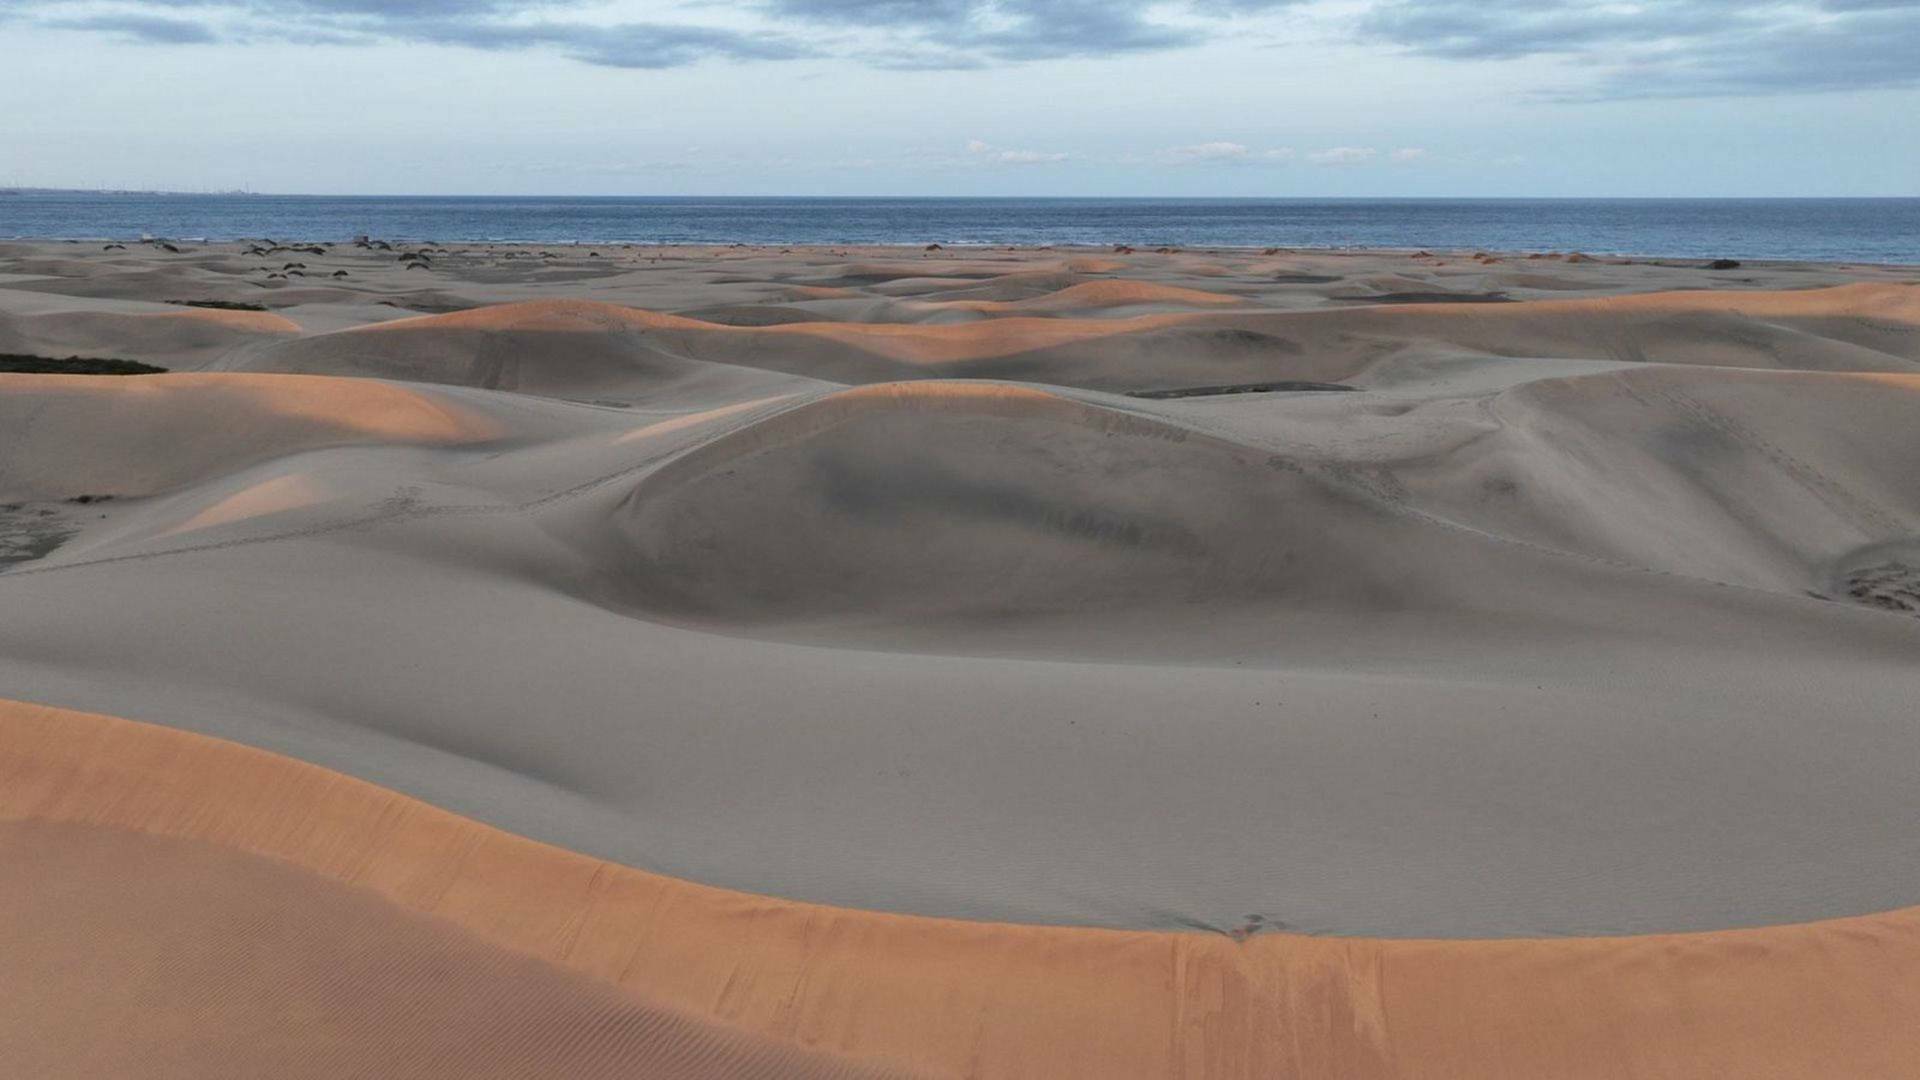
[(21, 189)]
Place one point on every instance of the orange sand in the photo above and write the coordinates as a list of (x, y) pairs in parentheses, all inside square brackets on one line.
[(1834, 998)]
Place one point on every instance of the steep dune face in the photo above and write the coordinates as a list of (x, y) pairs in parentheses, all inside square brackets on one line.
[(1773, 480), (982, 499), (1760, 479), (62, 436)]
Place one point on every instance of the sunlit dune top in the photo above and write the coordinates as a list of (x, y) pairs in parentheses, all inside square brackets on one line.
[(361, 406), (140, 435), (257, 322)]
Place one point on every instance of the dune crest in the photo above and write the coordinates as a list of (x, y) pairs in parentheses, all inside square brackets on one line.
[(185, 338), (964, 497), (997, 1000), (145, 435)]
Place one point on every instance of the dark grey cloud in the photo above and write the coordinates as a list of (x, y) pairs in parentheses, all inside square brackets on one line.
[(973, 33), (148, 29), (1676, 48), (497, 25), (1653, 48), (881, 33), (1502, 29), (624, 45)]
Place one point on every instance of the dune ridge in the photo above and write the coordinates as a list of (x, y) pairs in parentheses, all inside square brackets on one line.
[(147, 435), (998, 1000), (185, 338), (578, 349)]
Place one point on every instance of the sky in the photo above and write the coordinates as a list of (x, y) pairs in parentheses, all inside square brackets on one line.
[(964, 97)]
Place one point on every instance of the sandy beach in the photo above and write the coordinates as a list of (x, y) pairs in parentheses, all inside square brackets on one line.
[(957, 662)]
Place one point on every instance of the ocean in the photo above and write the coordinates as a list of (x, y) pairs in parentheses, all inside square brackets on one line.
[(1845, 230)]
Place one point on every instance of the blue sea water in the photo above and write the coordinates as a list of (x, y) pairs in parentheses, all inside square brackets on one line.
[(1850, 230)]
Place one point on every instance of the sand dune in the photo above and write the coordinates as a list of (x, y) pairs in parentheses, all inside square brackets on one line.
[(568, 349), (1741, 477), (185, 338), (267, 969), (746, 662), (599, 350), (148, 434), (538, 939), (1023, 500), (1098, 295)]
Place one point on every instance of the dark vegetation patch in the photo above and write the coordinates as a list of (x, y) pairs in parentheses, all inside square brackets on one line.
[(28, 533), (19, 363), (220, 305), (30, 544), (1284, 385), (1305, 279), (1890, 586)]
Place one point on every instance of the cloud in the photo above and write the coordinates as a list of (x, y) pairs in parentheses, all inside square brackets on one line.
[(973, 33), (496, 25), (1220, 153), (1343, 155), (987, 152), (1672, 49), (625, 45), (1614, 48), (914, 34), (1212, 151), (146, 29), (1406, 155)]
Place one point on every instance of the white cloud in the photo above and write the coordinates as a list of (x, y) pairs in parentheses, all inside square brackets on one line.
[(1212, 151), (1029, 157), (1408, 154), (1221, 152), (1343, 155), (986, 151)]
